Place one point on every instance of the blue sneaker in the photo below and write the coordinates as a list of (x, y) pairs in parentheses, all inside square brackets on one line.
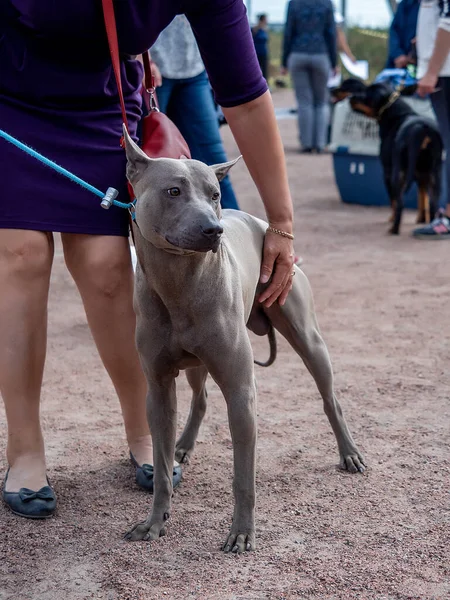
[(439, 229)]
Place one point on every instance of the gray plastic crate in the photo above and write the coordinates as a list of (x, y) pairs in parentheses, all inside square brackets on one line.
[(359, 133)]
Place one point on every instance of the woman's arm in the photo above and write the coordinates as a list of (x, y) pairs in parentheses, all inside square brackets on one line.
[(330, 37), (440, 53), (288, 35), (342, 43), (256, 132), (224, 37), (397, 55)]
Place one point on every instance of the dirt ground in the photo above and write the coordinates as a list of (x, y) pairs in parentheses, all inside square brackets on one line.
[(382, 303)]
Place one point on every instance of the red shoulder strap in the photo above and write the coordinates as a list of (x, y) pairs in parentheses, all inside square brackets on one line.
[(111, 32)]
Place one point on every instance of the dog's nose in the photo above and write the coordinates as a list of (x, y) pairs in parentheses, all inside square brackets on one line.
[(212, 231)]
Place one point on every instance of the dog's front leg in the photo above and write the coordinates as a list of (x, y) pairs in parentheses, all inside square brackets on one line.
[(234, 375), (162, 418), (242, 418)]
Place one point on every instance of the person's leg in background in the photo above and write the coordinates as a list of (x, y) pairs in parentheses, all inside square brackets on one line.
[(441, 106), (439, 228), (192, 109), (320, 71), (299, 68)]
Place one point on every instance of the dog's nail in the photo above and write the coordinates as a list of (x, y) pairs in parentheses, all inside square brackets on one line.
[(166, 516), (235, 549), (248, 547)]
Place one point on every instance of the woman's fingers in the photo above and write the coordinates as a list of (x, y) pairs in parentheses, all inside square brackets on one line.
[(278, 260)]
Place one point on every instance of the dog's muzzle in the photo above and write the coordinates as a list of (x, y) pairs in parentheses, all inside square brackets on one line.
[(212, 235)]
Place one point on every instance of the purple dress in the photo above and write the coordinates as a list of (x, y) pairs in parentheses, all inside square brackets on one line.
[(58, 95)]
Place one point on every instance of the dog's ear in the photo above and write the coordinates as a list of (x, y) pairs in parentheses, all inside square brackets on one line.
[(348, 88), (338, 94), (409, 90), (221, 170), (137, 161)]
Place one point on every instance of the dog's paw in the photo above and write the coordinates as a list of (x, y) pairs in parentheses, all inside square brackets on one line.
[(183, 450), (145, 532), (183, 456), (238, 542), (353, 462)]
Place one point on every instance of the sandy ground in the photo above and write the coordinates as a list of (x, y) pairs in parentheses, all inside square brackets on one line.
[(322, 534)]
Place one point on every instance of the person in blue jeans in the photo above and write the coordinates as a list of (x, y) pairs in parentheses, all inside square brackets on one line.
[(185, 96)]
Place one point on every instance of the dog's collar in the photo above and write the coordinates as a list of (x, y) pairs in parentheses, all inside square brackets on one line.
[(392, 99)]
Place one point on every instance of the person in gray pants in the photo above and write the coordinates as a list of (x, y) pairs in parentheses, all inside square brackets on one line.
[(309, 54)]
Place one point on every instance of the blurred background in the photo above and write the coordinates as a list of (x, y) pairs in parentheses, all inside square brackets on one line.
[(367, 23)]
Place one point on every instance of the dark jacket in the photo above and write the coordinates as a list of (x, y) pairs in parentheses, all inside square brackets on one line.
[(310, 29), (403, 30)]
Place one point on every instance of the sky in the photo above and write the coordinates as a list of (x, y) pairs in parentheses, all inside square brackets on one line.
[(365, 13)]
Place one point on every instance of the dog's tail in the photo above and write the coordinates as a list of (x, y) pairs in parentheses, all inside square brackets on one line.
[(421, 139), (273, 348)]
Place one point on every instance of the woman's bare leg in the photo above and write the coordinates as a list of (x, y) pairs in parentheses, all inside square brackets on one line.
[(25, 265), (101, 268)]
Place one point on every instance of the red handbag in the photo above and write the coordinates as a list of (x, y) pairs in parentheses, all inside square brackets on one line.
[(160, 136)]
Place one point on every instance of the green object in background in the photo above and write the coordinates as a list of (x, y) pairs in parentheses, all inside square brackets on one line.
[(412, 71)]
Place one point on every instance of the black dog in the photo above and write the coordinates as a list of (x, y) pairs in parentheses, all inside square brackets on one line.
[(411, 145)]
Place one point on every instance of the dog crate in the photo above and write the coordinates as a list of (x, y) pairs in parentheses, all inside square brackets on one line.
[(355, 145)]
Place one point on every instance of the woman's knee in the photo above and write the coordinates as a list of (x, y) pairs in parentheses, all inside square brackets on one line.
[(25, 254), (101, 272)]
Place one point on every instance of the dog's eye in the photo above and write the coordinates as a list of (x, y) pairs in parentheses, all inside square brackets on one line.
[(174, 192), (216, 196)]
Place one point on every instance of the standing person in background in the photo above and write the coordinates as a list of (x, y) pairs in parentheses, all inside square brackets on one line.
[(309, 53), (185, 96), (402, 35), (433, 51), (261, 41)]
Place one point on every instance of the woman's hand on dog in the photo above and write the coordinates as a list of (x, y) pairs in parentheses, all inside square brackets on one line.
[(278, 263), (427, 84)]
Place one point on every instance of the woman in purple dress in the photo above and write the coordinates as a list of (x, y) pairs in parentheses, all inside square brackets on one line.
[(64, 104)]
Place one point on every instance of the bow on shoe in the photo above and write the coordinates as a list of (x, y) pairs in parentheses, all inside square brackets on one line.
[(45, 493), (147, 470)]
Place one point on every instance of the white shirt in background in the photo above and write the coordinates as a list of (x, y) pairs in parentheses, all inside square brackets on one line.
[(429, 21)]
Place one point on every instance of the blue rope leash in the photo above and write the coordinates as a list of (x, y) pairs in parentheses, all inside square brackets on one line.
[(108, 199)]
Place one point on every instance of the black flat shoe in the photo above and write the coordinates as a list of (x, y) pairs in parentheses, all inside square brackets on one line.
[(144, 475), (30, 504)]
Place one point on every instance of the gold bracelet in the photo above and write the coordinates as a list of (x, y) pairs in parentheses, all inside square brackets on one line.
[(279, 232)]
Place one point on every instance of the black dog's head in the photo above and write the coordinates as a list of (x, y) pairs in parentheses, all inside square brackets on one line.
[(369, 100)]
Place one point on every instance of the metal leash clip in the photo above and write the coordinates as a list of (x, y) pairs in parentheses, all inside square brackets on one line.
[(153, 106), (108, 198)]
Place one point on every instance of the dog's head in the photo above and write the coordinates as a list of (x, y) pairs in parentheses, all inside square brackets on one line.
[(369, 100), (178, 201)]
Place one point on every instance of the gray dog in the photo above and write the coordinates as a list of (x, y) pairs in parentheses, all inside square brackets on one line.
[(197, 284)]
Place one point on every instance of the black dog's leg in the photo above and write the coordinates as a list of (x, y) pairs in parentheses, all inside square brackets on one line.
[(388, 185), (398, 188), (423, 204)]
